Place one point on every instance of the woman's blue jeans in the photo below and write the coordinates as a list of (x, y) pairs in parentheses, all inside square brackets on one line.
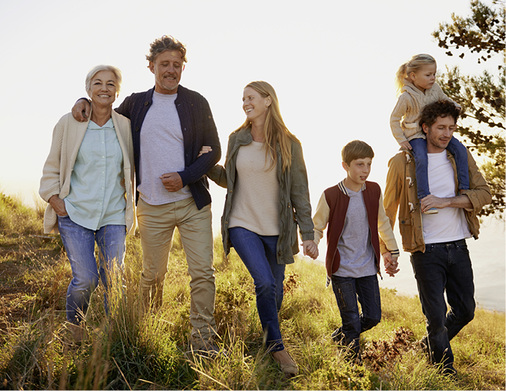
[(258, 254), (79, 244)]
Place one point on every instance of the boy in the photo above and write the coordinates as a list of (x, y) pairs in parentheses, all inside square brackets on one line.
[(353, 210)]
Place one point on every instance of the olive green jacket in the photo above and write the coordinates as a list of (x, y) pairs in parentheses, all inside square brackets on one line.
[(295, 208), (400, 193)]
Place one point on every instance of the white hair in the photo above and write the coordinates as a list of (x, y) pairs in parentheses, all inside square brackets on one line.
[(98, 68)]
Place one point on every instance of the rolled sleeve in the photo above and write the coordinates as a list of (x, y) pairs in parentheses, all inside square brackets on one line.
[(479, 192)]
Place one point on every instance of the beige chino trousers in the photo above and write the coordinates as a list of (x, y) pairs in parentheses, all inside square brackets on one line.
[(156, 226)]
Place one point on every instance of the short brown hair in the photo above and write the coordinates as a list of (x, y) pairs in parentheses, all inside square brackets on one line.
[(356, 149), (166, 42), (440, 108)]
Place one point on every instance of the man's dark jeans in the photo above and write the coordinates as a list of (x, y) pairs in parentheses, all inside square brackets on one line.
[(347, 291), (444, 267)]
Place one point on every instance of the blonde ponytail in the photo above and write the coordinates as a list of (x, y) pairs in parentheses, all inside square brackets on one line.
[(415, 63)]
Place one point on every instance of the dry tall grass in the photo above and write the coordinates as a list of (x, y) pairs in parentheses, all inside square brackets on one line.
[(127, 351)]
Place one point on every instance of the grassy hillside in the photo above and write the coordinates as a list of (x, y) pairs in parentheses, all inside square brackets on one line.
[(126, 351)]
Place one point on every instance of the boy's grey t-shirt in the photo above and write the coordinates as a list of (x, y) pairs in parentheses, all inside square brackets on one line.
[(355, 248)]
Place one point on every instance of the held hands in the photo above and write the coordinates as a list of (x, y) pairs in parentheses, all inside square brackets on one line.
[(391, 265), (405, 145), (310, 248), (81, 110), (172, 181), (58, 205)]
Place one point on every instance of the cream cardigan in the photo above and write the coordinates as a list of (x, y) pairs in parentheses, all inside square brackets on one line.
[(406, 114), (68, 135)]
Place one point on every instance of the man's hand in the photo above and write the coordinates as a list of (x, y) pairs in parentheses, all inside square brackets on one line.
[(172, 181), (58, 205), (310, 248), (81, 110), (391, 265), (460, 201), (431, 201)]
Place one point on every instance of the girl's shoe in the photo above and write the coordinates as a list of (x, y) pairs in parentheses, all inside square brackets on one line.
[(286, 362)]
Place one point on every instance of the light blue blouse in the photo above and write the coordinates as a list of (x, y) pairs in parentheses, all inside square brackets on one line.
[(97, 194)]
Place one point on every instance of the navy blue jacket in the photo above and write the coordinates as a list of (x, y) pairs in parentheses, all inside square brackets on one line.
[(198, 129)]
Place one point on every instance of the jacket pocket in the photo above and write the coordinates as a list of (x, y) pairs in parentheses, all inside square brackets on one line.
[(407, 232)]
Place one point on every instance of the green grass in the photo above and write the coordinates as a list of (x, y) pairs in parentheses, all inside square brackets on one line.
[(129, 351)]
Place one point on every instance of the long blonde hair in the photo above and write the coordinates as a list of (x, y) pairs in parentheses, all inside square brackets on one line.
[(415, 63), (275, 130)]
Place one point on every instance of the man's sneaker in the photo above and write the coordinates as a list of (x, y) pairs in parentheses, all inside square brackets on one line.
[(424, 344), (449, 371)]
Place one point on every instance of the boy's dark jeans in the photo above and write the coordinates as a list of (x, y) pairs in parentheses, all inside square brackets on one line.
[(347, 291), (444, 267)]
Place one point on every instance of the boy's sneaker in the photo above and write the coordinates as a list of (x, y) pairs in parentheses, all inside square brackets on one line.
[(431, 211), (424, 344), (338, 336)]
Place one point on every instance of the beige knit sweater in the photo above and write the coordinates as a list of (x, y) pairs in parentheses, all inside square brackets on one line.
[(256, 202), (406, 114)]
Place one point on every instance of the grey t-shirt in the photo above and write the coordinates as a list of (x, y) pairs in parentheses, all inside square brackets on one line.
[(162, 151), (355, 248)]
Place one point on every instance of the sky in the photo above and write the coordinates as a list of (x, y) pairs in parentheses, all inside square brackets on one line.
[(332, 65)]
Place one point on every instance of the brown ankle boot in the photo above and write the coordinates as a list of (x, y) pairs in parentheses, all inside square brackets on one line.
[(76, 331), (286, 362)]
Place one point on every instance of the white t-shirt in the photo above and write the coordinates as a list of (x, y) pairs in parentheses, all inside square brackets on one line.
[(449, 224)]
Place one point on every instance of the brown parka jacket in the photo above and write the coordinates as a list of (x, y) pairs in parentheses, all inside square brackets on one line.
[(400, 193)]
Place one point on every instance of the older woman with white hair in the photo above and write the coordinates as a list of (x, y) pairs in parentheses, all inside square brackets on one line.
[(88, 182)]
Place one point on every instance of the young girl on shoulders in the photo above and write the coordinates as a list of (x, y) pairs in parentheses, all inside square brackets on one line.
[(416, 80)]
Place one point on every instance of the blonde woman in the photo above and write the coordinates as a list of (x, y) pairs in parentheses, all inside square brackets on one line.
[(88, 182), (267, 198)]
